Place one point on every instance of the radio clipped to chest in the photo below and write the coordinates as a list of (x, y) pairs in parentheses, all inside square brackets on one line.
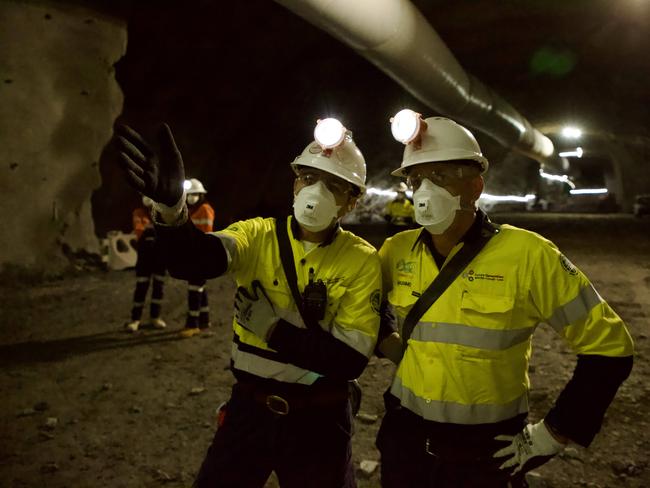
[(314, 299)]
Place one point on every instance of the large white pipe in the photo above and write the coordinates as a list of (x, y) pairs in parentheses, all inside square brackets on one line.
[(393, 35)]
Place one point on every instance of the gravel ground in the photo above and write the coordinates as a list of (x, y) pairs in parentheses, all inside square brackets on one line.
[(87, 405)]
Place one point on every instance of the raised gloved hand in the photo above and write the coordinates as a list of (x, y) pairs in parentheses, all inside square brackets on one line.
[(532, 447), (255, 311), (156, 173)]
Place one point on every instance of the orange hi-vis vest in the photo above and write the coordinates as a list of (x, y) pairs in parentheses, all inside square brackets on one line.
[(141, 220), (203, 217)]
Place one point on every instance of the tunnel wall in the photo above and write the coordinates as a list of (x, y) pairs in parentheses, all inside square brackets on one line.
[(58, 101), (630, 159)]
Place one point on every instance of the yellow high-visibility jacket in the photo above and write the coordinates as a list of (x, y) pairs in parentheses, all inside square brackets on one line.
[(467, 358), (348, 266)]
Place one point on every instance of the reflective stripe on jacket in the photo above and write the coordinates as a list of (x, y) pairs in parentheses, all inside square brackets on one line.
[(348, 266), (467, 358)]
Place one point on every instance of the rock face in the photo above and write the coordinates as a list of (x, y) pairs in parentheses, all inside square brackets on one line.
[(58, 102)]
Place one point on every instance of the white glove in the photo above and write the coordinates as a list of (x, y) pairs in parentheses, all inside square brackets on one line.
[(533, 441), (255, 312)]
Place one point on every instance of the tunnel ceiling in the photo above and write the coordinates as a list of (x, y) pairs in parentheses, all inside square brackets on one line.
[(555, 60), (242, 82)]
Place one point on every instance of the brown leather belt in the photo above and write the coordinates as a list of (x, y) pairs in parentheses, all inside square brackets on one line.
[(282, 403)]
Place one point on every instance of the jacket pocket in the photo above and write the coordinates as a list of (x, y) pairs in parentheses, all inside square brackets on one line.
[(486, 311)]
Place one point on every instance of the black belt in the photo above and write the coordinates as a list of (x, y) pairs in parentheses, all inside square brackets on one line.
[(284, 402)]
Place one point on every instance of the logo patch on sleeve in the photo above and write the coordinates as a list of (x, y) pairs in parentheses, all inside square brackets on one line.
[(568, 265), (375, 301)]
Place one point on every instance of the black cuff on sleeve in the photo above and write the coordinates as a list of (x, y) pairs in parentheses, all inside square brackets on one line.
[(579, 410), (191, 254), (318, 351)]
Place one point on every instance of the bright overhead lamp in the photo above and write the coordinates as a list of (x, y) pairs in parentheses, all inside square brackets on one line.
[(506, 198), (329, 133), (588, 191), (572, 154), (561, 178), (406, 125), (571, 132)]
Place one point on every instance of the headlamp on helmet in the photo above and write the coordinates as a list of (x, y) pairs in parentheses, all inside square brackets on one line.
[(187, 184), (329, 133), (406, 125)]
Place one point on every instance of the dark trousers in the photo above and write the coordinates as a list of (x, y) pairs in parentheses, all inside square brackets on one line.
[(417, 453), (149, 268), (306, 448), (198, 311)]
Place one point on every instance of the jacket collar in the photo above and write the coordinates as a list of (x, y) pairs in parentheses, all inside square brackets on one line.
[(481, 222), (295, 230)]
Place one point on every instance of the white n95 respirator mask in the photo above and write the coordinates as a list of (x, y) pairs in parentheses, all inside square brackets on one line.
[(315, 207), (192, 199), (435, 207)]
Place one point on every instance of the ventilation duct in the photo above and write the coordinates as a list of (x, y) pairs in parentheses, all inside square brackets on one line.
[(394, 36)]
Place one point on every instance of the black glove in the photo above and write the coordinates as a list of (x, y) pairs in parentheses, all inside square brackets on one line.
[(157, 173)]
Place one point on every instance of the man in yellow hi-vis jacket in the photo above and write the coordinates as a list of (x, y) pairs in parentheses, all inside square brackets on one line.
[(456, 411), (289, 411)]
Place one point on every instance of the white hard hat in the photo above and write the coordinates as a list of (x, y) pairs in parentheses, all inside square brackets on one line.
[(443, 140), (401, 187), (344, 161), (193, 186)]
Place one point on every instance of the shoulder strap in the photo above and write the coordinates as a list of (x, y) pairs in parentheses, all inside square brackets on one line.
[(288, 263), (445, 278), (286, 256)]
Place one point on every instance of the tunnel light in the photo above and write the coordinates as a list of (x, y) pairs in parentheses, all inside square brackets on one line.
[(572, 154), (571, 132), (562, 178), (589, 191), (507, 198), (405, 125), (386, 193), (329, 133), (187, 184)]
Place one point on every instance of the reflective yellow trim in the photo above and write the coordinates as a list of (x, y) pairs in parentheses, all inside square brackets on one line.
[(357, 340), (267, 368), (458, 413), (466, 335), (576, 309)]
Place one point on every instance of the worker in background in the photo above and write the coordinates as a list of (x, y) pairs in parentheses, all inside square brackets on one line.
[(456, 411), (399, 211), (292, 358), (150, 267), (202, 215)]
